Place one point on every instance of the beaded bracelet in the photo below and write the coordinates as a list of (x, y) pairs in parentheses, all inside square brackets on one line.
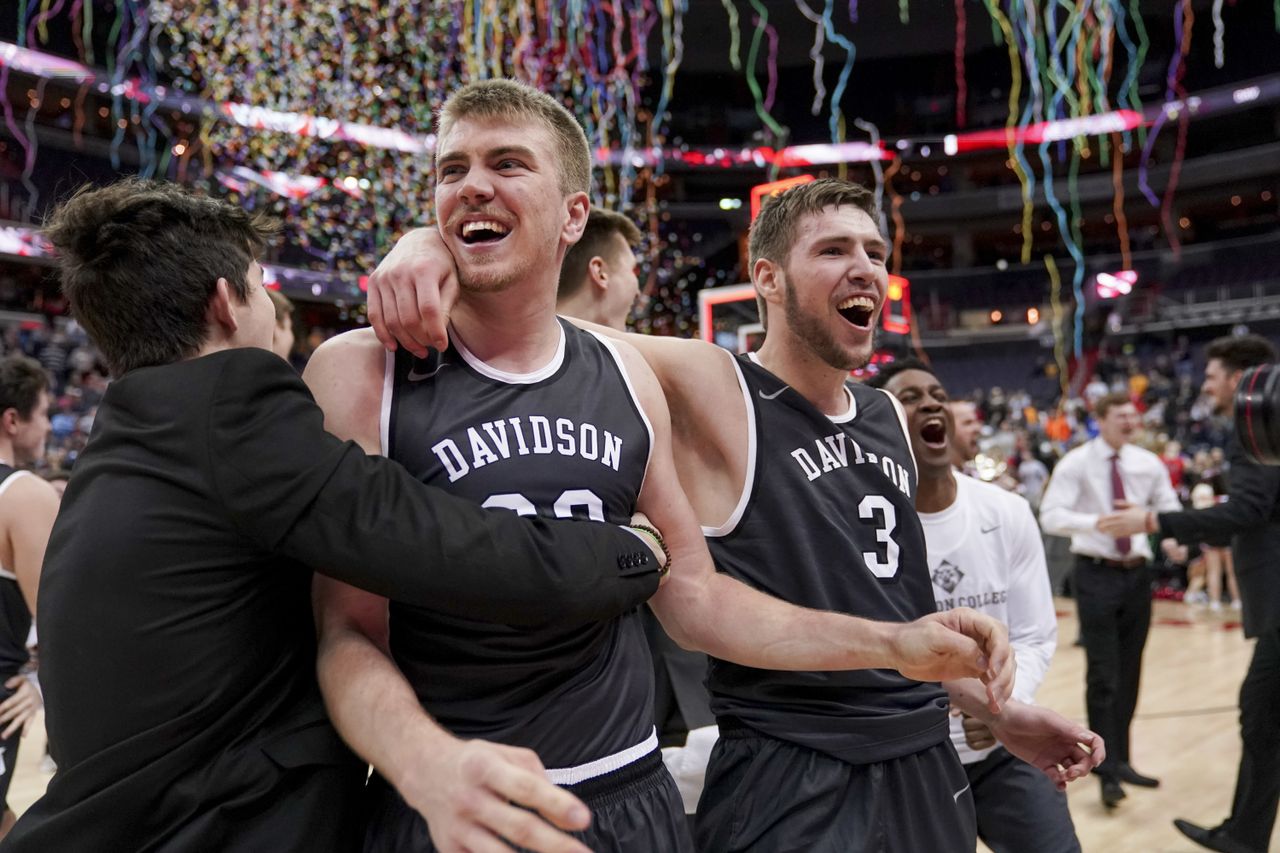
[(662, 543)]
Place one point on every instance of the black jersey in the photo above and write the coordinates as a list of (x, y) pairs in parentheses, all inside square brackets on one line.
[(567, 441), (827, 520), (15, 618)]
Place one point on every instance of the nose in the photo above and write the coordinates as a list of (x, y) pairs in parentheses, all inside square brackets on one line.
[(475, 188), (861, 268)]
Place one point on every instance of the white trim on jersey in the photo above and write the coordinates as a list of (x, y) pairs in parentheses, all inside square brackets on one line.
[(635, 398), (8, 481), (842, 418), (749, 482), (545, 372), (388, 391), (601, 766), (906, 434)]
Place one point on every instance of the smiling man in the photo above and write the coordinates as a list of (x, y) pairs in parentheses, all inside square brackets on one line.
[(985, 552), (770, 448), (1112, 574)]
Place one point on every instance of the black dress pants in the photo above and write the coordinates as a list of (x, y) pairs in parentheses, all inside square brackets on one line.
[(1253, 812), (1114, 607)]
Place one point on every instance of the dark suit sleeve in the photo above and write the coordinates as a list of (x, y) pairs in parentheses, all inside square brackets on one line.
[(1253, 490), (299, 491)]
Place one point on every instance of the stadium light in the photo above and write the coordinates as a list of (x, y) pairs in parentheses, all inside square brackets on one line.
[(1110, 285)]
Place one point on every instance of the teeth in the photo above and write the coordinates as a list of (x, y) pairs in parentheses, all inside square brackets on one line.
[(484, 225), (857, 302)]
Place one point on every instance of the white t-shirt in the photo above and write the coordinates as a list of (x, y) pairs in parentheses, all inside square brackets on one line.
[(985, 553)]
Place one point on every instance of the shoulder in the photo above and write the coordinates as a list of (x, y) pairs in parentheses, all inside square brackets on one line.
[(1074, 458), (636, 369), (346, 374), (25, 497), (23, 485), (1002, 501), (1146, 458)]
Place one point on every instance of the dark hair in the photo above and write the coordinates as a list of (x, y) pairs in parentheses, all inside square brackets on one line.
[(1239, 352), (893, 368), (774, 230), (601, 226), (140, 261), (21, 381), (1107, 402)]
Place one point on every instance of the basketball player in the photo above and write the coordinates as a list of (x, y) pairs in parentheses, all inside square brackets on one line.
[(28, 506), (598, 283), (985, 552), (176, 632), (598, 280), (527, 412), (770, 448), (282, 334)]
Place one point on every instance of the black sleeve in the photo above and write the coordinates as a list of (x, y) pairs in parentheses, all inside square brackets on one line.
[(299, 491), (1251, 499)]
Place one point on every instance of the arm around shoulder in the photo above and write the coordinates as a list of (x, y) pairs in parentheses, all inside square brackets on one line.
[(295, 489)]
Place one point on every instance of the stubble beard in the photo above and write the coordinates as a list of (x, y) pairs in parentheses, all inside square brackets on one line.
[(818, 337)]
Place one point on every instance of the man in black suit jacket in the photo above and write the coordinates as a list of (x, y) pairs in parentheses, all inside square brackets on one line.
[(177, 644), (1252, 515)]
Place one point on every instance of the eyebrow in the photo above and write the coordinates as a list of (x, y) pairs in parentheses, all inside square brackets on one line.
[(500, 151), (876, 242)]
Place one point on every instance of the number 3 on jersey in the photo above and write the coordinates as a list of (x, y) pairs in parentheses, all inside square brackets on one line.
[(564, 506), (878, 509)]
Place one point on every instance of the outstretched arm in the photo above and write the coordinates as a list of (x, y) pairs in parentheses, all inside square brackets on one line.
[(704, 609), (1043, 738)]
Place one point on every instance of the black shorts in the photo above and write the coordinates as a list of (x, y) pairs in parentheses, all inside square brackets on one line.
[(634, 808), (768, 796)]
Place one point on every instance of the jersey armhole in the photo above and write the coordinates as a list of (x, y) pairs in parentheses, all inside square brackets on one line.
[(388, 393), (749, 481), (906, 434), (635, 399)]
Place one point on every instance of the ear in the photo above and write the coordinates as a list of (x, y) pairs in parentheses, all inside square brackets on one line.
[(769, 280), (578, 206), (598, 271), (221, 313), (9, 421)]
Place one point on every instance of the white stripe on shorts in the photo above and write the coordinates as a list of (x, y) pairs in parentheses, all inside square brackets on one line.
[(601, 766)]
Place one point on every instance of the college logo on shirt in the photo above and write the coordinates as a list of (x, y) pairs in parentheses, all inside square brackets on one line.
[(947, 576)]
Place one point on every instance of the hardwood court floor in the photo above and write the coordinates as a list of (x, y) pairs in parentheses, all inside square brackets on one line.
[(1186, 732)]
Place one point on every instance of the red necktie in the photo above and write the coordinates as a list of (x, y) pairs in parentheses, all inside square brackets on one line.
[(1123, 544)]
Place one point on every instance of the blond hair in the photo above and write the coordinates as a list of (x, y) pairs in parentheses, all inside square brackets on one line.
[(510, 99)]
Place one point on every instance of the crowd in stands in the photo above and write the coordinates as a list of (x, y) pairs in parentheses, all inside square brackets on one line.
[(1023, 438)]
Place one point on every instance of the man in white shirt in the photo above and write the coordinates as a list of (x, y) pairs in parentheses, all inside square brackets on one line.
[(985, 552), (1112, 576)]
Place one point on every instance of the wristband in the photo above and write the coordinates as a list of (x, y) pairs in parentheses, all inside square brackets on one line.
[(662, 545)]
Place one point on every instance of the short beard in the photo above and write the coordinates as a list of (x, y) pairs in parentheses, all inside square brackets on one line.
[(818, 337), (488, 280)]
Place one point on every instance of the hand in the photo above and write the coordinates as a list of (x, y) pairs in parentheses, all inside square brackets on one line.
[(1128, 521), (1045, 739), (19, 708), (1175, 552), (976, 733), (474, 795), (954, 644), (412, 292), (641, 518)]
